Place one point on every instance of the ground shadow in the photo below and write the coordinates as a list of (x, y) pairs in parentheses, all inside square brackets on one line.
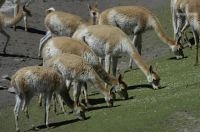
[(96, 101), (93, 94), (174, 58), (100, 107), (19, 56), (54, 125), (142, 86), (32, 30), (3, 87)]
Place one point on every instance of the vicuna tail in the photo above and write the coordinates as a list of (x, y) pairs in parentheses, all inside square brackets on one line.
[(47, 11)]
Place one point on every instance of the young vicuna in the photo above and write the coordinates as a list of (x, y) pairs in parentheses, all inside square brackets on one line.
[(36, 79), (75, 69), (6, 21), (108, 42), (59, 45), (135, 20), (94, 13), (17, 4)]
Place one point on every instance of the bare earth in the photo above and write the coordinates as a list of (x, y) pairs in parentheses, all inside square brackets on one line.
[(23, 46)]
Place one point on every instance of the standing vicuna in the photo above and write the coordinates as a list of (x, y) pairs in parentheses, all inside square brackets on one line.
[(108, 42), (17, 4), (29, 81), (6, 21), (60, 23), (135, 20), (192, 11), (178, 16), (75, 69), (179, 20), (59, 45)]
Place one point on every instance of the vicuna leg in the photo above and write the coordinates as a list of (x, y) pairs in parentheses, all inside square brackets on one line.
[(25, 23), (40, 100), (57, 99), (16, 111), (114, 65), (7, 37), (84, 91), (196, 38), (60, 101), (77, 92), (47, 105), (174, 20), (107, 63), (16, 10)]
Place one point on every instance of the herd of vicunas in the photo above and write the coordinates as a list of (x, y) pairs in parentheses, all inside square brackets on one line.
[(73, 51)]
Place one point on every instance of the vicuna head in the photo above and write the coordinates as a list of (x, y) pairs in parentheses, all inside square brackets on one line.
[(26, 12), (153, 78), (94, 12), (120, 88)]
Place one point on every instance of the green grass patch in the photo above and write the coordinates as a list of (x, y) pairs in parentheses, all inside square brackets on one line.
[(175, 107)]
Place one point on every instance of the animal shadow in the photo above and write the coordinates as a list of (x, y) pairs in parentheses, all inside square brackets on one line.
[(19, 56), (174, 58), (142, 86), (32, 30), (54, 125)]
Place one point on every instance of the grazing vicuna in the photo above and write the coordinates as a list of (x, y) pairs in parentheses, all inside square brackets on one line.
[(75, 69), (59, 45), (32, 80), (134, 21), (6, 21), (108, 42)]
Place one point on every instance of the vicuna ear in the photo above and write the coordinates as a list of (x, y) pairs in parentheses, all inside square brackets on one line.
[(89, 7), (150, 69)]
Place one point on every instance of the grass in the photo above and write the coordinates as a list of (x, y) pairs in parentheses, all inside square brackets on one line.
[(172, 108)]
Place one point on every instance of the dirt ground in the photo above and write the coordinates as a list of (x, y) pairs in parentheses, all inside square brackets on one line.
[(23, 46)]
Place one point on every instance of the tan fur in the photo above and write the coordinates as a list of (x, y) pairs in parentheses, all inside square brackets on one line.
[(59, 45), (94, 13), (192, 11), (75, 68), (68, 23), (17, 5), (178, 16), (108, 41), (134, 20), (36, 79), (6, 21)]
